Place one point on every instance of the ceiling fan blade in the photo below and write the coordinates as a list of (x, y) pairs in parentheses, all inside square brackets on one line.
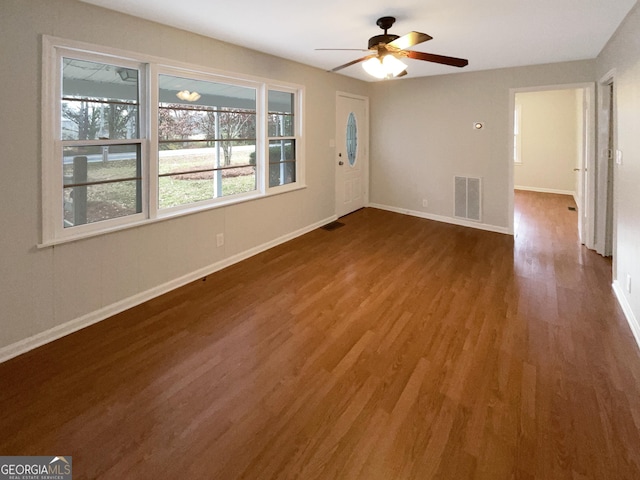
[(353, 62), (430, 57), (409, 40)]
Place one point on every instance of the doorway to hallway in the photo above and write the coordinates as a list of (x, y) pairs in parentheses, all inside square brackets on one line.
[(553, 138)]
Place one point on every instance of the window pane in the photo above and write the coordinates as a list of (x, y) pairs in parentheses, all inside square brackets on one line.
[(281, 102), (201, 123), (90, 164), (282, 173), (101, 183), (189, 188), (281, 125), (281, 150), (207, 140), (352, 139), (99, 100), (94, 203), (281, 118), (189, 92), (181, 157), (238, 180), (191, 172), (282, 166), (184, 189)]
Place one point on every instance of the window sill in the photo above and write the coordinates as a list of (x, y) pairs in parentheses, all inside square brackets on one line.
[(173, 214)]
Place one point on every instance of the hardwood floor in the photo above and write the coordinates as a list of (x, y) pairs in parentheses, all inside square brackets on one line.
[(390, 348)]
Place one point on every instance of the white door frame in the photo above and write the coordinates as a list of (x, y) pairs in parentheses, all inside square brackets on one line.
[(589, 170), (602, 170), (363, 143)]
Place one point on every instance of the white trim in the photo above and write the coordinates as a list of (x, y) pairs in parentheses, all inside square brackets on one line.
[(48, 118), (53, 145), (517, 124), (443, 219), (59, 331), (545, 190), (160, 61), (627, 310), (589, 165), (167, 216), (601, 170), (510, 163)]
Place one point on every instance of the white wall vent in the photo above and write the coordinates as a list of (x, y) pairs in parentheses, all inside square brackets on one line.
[(467, 198)]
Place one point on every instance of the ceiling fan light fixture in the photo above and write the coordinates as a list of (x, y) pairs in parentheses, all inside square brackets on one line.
[(386, 66), (393, 65), (386, 50)]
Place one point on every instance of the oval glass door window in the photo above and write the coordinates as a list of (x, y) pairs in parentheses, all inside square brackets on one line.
[(352, 139)]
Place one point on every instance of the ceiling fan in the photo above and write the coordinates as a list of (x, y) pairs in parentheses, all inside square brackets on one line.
[(387, 50)]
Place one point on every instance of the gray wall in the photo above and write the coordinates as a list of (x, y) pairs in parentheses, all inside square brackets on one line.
[(43, 289), (422, 135), (622, 53)]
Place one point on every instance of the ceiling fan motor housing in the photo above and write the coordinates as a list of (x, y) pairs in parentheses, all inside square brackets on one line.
[(381, 39), (385, 23)]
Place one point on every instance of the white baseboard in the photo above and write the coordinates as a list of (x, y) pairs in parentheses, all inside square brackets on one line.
[(441, 218), (79, 323), (545, 190), (628, 312)]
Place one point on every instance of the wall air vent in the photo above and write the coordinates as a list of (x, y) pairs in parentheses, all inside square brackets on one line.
[(467, 198)]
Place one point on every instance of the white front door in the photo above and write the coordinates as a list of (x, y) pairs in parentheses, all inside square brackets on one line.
[(352, 153)]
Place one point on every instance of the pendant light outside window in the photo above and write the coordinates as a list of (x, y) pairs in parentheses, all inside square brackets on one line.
[(386, 67), (188, 96)]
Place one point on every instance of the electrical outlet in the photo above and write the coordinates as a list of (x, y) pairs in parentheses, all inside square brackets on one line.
[(220, 239), (628, 283), (425, 203)]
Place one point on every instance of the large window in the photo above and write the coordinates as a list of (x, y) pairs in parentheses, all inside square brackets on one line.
[(112, 159), (282, 138), (100, 149), (207, 140)]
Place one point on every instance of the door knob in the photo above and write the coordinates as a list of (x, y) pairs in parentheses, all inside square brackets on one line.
[(577, 169), (340, 162)]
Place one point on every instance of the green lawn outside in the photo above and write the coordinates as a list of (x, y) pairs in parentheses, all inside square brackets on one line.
[(117, 199)]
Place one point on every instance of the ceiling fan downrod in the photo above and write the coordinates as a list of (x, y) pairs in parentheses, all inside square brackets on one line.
[(385, 23)]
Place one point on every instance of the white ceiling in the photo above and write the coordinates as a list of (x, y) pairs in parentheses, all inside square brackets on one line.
[(489, 33)]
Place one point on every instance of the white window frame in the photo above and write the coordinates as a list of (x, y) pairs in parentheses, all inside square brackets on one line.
[(52, 144), (54, 49), (260, 139), (297, 137)]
